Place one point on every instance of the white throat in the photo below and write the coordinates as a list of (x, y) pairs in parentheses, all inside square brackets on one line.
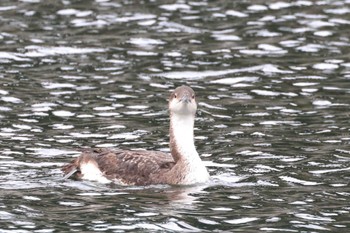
[(182, 127)]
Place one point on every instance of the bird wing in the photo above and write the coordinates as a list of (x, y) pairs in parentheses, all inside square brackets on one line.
[(125, 166)]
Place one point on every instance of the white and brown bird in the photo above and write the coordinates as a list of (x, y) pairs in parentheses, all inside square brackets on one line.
[(182, 166)]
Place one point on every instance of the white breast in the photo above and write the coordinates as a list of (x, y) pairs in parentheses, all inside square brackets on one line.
[(183, 135), (197, 174)]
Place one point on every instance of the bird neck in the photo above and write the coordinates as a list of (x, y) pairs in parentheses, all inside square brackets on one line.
[(189, 168), (182, 138)]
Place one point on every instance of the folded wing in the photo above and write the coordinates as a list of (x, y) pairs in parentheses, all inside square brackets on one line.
[(121, 166)]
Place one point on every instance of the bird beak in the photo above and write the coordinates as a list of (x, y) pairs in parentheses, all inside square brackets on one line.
[(185, 98)]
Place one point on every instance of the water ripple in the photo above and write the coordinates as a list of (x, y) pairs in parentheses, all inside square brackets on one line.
[(271, 80)]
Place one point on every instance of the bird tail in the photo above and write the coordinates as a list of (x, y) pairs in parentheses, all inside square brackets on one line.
[(71, 170)]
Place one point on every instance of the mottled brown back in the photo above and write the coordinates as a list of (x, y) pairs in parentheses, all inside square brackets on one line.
[(126, 166)]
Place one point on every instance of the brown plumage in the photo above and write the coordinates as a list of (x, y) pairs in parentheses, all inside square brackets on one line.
[(125, 166), (138, 167)]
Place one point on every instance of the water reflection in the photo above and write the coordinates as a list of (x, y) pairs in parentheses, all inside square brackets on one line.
[(272, 84)]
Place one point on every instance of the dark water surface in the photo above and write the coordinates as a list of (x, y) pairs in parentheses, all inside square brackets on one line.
[(273, 85)]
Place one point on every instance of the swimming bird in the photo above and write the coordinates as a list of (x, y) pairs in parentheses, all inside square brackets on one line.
[(183, 166)]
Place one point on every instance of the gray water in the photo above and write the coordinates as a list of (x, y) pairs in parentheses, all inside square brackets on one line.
[(272, 81)]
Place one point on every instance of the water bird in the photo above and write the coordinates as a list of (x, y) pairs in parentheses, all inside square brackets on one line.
[(183, 166)]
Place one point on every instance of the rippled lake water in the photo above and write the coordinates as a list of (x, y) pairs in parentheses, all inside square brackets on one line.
[(272, 81)]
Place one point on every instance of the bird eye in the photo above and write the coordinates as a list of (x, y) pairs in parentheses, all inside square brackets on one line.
[(175, 95), (192, 96)]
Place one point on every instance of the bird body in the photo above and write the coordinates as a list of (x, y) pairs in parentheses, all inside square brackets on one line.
[(182, 166)]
